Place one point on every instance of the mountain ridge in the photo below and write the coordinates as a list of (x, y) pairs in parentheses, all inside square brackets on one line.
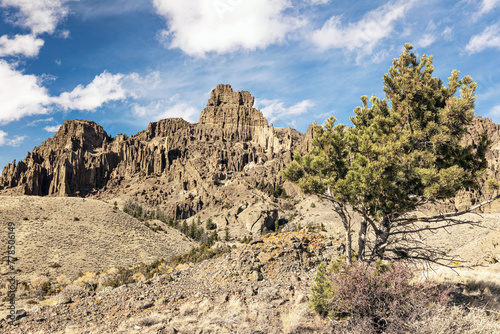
[(181, 166)]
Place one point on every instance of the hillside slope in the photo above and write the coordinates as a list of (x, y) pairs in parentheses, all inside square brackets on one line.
[(56, 236)]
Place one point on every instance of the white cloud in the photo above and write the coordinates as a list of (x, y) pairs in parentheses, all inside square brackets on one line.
[(275, 110), (487, 6), (52, 128), (447, 33), (4, 141), (64, 34), (489, 38), (162, 109), (20, 95), (24, 95), (365, 34), (198, 27), (42, 120), (38, 15), (26, 45), (426, 40), (104, 88)]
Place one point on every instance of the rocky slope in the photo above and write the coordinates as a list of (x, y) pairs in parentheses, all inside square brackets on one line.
[(65, 236), (257, 288)]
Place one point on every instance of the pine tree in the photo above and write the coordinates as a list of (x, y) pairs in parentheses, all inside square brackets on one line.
[(401, 153)]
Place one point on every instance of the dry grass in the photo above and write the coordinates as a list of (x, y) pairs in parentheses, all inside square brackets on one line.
[(458, 320), (478, 287), (186, 309), (294, 318), (138, 323)]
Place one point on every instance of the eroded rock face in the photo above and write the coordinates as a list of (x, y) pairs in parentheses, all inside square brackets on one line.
[(233, 112), (173, 164), (75, 161)]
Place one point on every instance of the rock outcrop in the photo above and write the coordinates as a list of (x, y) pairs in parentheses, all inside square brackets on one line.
[(233, 112), (75, 161), (173, 164)]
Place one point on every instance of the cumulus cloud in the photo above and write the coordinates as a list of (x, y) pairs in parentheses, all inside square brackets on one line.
[(104, 88), (365, 34), (24, 95), (162, 109), (20, 94), (40, 16), (20, 45), (275, 109), (489, 38), (53, 128), (198, 27), (4, 141)]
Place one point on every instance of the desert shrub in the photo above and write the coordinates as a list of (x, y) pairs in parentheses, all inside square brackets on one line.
[(198, 254), (124, 276), (378, 296), (73, 291)]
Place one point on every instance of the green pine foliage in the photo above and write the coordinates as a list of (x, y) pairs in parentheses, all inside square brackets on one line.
[(400, 153), (210, 225)]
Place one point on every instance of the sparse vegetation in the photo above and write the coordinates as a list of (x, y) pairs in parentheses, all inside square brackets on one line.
[(274, 190), (210, 225), (192, 230), (380, 295), (198, 254)]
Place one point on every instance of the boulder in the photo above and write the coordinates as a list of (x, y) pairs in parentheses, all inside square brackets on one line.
[(258, 217)]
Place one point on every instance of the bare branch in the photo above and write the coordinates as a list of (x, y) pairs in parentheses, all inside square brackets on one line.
[(442, 216)]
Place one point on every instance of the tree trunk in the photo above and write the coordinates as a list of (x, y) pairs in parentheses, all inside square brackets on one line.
[(348, 246), (340, 209), (362, 239), (381, 238)]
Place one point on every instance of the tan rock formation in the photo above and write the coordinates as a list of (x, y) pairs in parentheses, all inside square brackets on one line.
[(233, 112), (179, 166)]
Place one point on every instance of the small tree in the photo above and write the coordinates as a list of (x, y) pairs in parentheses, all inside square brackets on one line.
[(401, 153)]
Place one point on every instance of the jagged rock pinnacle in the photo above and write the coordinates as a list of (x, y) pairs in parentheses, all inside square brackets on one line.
[(233, 112)]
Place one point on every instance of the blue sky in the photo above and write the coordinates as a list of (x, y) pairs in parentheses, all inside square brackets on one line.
[(125, 63)]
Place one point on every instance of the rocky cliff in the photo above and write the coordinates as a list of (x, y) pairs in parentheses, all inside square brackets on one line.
[(174, 164)]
